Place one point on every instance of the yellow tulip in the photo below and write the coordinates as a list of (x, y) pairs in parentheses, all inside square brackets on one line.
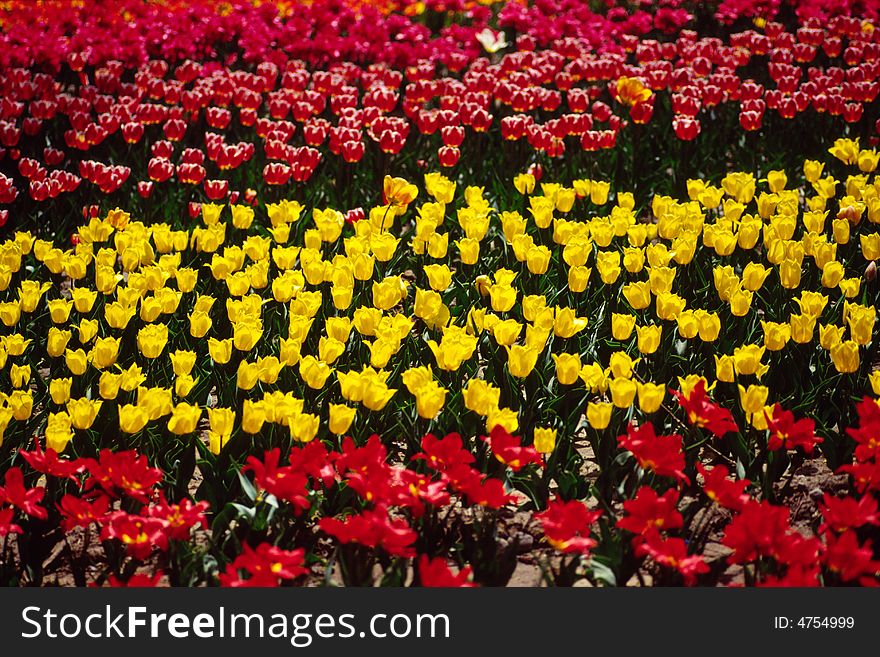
[(88, 329), (108, 385), (648, 338), (199, 323), (747, 359), (132, 418), (599, 414), (246, 334), (481, 396), (802, 328), (874, 378), (83, 299), (430, 399), (845, 356), (56, 342), (669, 306), (521, 360), (253, 416), (220, 350), (59, 310), (566, 323), (688, 324), (184, 419), (622, 325), (568, 367), (638, 294), (538, 259), (247, 375), (59, 390), (725, 368), (58, 431), (651, 396), (623, 391), (545, 440), (776, 335), (754, 275), (313, 372), (182, 362), (304, 427), (502, 417), (151, 340), (104, 352), (753, 399), (341, 417), (578, 278), (76, 361), (156, 401), (184, 384)]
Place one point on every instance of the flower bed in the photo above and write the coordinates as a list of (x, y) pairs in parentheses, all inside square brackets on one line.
[(439, 294)]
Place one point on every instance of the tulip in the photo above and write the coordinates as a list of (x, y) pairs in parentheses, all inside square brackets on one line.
[(651, 396), (648, 338), (156, 401), (566, 324), (753, 399), (802, 327), (776, 335), (83, 299), (313, 372), (104, 352), (740, 302), (341, 417), (725, 368), (59, 390), (544, 440), (184, 419), (88, 329), (874, 378), (669, 306), (568, 367), (220, 350), (608, 265), (184, 384), (151, 340), (638, 294), (56, 342), (455, 347), (430, 399), (599, 414), (709, 325), (304, 427), (861, 322), (59, 310), (688, 324), (754, 276), (845, 356), (747, 359), (199, 323), (108, 385), (622, 325), (623, 392), (132, 418), (58, 432), (76, 361), (132, 378), (521, 360), (182, 362), (538, 259), (253, 416)]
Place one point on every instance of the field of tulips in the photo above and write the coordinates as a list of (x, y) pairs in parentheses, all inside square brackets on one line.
[(439, 293)]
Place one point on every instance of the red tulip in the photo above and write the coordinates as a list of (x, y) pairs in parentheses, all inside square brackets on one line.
[(448, 156)]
